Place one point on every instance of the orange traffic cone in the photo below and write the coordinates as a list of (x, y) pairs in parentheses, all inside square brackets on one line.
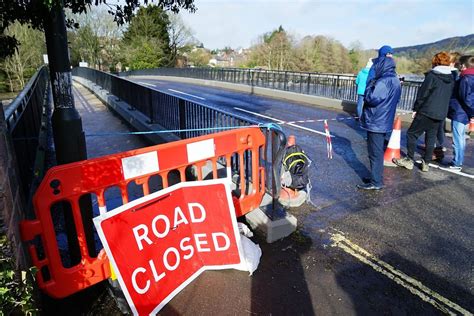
[(393, 148)]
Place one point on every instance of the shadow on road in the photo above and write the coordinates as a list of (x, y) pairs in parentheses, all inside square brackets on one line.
[(279, 285), (343, 148), (374, 293)]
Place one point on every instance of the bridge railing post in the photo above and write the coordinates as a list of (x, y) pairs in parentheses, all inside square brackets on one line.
[(308, 87), (151, 111), (182, 117)]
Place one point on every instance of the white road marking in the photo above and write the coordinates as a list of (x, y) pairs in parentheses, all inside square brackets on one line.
[(147, 84), (452, 171), (411, 284), (261, 115), (190, 95), (282, 122)]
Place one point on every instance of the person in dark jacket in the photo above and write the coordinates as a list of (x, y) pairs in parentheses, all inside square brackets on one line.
[(429, 110), (461, 109), (381, 99)]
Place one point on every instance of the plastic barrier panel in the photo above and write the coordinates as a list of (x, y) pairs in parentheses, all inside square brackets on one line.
[(71, 189)]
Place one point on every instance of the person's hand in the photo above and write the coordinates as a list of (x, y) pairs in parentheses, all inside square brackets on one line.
[(413, 115)]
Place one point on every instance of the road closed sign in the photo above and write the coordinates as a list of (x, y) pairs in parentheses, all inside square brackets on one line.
[(159, 243)]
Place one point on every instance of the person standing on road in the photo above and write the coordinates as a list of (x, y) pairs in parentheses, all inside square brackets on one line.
[(429, 110), (380, 104), (461, 109), (361, 82), (440, 137)]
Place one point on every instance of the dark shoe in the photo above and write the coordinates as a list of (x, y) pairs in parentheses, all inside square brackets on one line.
[(404, 162), (367, 180), (369, 186)]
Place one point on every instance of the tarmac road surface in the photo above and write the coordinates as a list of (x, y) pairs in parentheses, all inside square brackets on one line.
[(407, 249)]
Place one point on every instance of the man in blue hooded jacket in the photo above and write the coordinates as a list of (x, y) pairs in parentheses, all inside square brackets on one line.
[(381, 98), (384, 51)]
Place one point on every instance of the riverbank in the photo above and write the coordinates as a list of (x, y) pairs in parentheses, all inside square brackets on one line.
[(7, 97)]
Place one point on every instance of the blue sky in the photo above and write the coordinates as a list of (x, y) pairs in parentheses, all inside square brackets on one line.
[(220, 23)]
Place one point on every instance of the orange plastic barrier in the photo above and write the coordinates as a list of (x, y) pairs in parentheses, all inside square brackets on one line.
[(241, 151)]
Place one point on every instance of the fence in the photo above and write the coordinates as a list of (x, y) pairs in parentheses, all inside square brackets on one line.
[(24, 118), (247, 155), (335, 86), (192, 118), (130, 175)]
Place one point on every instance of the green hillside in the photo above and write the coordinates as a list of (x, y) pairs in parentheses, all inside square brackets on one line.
[(462, 44)]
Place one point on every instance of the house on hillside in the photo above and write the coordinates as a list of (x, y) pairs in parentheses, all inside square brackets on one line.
[(229, 57), (222, 61)]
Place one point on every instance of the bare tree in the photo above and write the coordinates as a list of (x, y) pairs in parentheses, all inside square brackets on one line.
[(96, 40), (181, 37), (25, 60), (274, 50)]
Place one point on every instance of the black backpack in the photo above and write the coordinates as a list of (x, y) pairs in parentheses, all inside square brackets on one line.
[(296, 163)]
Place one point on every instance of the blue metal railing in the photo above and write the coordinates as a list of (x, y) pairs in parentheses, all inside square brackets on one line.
[(192, 118), (171, 112), (25, 119), (335, 86)]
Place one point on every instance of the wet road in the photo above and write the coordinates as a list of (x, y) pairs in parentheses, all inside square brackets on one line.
[(409, 247)]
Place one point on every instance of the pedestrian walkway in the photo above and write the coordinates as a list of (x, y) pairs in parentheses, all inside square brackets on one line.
[(97, 118)]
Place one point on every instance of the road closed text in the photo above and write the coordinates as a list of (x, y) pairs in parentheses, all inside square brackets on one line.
[(152, 233)]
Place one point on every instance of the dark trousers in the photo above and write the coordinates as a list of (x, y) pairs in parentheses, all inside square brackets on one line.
[(375, 142), (440, 137), (422, 124)]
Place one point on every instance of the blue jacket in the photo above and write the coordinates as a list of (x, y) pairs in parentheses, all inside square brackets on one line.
[(361, 80), (461, 104), (381, 97)]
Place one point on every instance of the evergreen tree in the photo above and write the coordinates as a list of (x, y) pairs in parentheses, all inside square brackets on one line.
[(146, 42)]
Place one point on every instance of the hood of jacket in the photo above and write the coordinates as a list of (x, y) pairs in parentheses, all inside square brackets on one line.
[(468, 71), (385, 67), (444, 73), (444, 69)]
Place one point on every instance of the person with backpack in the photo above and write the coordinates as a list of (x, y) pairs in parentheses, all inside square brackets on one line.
[(380, 104)]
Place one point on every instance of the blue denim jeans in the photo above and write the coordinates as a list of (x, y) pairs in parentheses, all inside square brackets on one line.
[(375, 142), (360, 104), (459, 142)]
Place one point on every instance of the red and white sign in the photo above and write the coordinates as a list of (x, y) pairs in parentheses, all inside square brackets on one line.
[(159, 243)]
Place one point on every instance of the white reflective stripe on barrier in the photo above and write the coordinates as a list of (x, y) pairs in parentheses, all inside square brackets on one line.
[(102, 210), (200, 150), (139, 165)]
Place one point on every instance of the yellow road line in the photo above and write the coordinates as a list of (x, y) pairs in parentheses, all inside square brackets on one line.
[(411, 284)]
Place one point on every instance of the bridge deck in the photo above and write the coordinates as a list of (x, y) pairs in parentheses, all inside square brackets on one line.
[(96, 118), (419, 224)]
